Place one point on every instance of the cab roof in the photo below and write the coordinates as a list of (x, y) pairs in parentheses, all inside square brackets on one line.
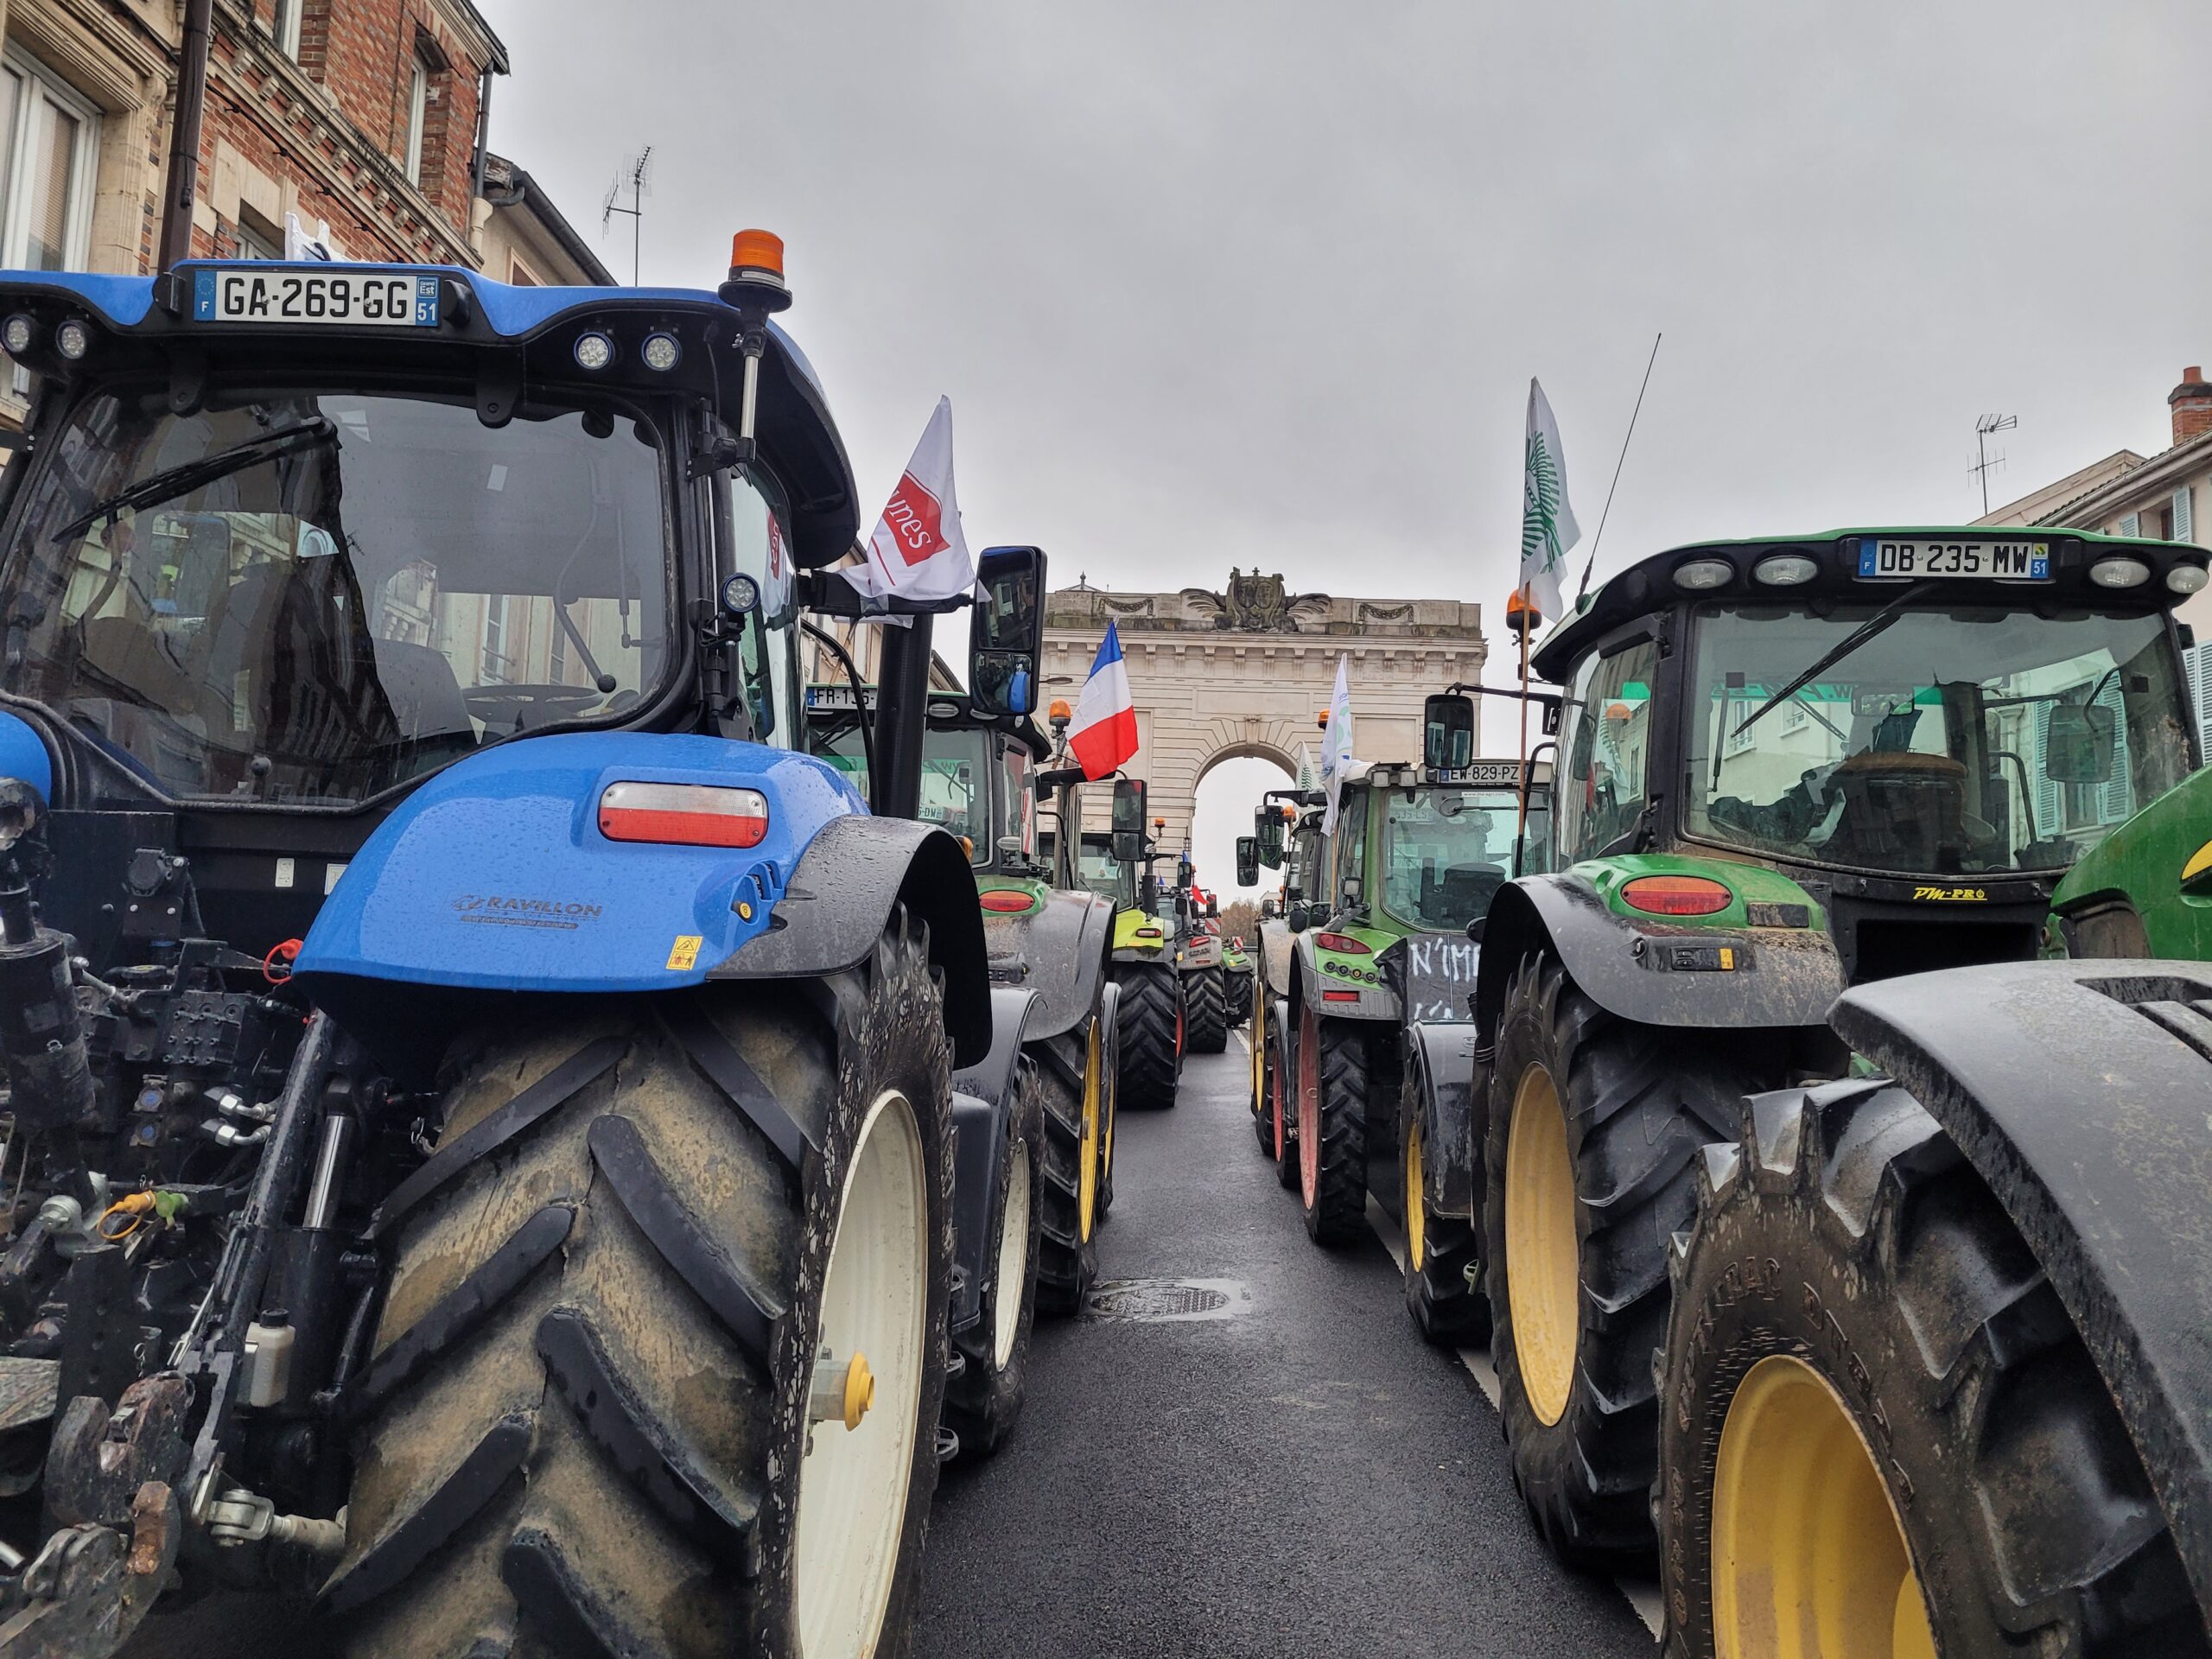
[(511, 338), (1649, 584)]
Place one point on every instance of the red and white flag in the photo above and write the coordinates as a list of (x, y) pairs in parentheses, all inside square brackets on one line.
[(917, 552), (1104, 733)]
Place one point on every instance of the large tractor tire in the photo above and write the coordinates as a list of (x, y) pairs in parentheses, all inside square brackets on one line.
[(1332, 1063), (1882, 1435), (983, 1399), (1282, 1095), (660, 1360), (1205, 1011), (1152, 1035), (1072, 1067), (1109, 1084), (1445, 1309), (1239, 987), (1263, 1128), (1594, 1130)]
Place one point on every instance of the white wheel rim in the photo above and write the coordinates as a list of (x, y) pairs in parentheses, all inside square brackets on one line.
[(1013, 1260), (852, 1482)]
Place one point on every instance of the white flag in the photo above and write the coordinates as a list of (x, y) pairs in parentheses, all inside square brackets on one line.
[(299, 246), (1308, 777), (917, 551), (1547, 526), (1336, 744)]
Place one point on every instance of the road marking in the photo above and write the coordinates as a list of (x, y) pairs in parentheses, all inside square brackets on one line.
[(1641, 1594)]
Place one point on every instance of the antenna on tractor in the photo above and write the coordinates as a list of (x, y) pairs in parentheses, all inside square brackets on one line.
[(1983, 426), (635, 176)]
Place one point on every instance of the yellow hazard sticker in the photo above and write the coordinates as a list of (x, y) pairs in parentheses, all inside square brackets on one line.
[(683, 955), (1728, 958)]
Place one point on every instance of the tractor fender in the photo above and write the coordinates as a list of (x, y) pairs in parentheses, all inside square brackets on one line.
[(1057, 950), (1274, 956), (2078, 1091), (1440, 1065), (1335, 995), (984, 1099), (23, 756), (494, 877), (1650, 970)]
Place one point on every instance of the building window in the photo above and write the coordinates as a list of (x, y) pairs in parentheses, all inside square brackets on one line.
[(418, 110), (49, 147), (521, 275), (496, 663), (285, 26)]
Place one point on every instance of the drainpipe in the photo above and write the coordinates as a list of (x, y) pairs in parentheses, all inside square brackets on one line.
[(175, 244)]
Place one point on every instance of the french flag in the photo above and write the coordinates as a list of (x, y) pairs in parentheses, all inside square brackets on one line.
[(1103, 732)]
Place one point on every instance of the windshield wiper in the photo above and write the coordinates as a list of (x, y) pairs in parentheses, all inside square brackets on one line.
[(1851, 642), (168, 485)]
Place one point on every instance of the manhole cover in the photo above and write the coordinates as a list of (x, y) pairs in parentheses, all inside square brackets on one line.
[(1163, 1300)]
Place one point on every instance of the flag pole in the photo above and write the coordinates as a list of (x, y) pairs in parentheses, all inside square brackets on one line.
[(1528, 602)]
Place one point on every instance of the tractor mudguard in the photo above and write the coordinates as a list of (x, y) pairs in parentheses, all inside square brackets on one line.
[(2078, 1091), (1443, 1057), (1274, 957), (982, 1111), (1652, 970), (1057, 950), (494, 876), (23, 756), (1325, 978)]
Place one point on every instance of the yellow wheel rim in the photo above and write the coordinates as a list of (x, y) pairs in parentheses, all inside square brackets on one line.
[(1259, 1036), (1086, 1178), (1543, 1269), (1416, 1219), (1809, 1561)]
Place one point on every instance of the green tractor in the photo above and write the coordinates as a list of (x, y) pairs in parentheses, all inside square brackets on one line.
[(1236, 975), (1198, 963), (1119, 865), (1286, 827), (1792, 770), (1045, 936)]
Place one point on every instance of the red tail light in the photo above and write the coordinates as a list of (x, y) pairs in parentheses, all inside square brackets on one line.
[(1340, 996), (1007, 901), (1344, 943), (1677, 895), (689, 815)]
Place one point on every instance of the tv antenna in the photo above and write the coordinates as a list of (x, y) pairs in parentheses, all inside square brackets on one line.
[(1983, 426), (637, 177)]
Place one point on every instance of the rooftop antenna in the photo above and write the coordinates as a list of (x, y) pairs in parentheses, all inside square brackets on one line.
[(637, 175), (1591, 563), (1983, 426)]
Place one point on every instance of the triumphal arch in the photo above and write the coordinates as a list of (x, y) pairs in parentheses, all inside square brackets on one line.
[(1246, 672)]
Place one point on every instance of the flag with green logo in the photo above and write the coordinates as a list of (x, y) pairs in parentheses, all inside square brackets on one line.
[(1547, 526), (1308, 777)]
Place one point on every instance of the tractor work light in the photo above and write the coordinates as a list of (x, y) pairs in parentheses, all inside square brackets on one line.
[(1698, 574), (2119, 572), (17, 334), (1006, 901), (72, 340), (660, 352), (1676, 895), (686, 815), (1782, 570), (2186, 578), (595, 350)]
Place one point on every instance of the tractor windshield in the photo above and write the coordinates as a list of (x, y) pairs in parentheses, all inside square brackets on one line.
[(312, 598), (1104, 875), (1945, 741), (1446, 852)]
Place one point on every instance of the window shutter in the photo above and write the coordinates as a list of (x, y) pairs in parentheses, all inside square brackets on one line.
[(2184, 528), (2050, 810), (2196, 668), (2132, 525), (2113, 795)]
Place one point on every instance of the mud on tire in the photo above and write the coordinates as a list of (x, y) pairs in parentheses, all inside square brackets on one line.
[(982, 1401), (1845, 1230), (1205, 1011), (1332, 1063), (584, 1425), (1151, 1017), (1638, 1102)]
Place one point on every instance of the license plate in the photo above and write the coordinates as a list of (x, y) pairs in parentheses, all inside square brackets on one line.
[(1480, 774), (327, 299), (1882, 560)]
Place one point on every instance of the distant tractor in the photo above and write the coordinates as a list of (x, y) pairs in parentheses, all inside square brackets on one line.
[(1788, 769)]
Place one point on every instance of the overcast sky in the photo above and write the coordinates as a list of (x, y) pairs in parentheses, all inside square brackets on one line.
[(1216, 284)]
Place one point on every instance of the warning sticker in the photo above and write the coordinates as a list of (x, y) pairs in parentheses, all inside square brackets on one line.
[(683, 955)]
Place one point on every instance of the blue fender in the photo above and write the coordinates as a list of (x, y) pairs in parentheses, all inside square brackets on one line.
[(493, 874), (23, 756)]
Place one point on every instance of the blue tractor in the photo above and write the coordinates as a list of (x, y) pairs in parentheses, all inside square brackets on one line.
[(480, 1103)]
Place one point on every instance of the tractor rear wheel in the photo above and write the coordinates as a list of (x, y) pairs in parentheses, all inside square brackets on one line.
[(1151, 1033), (1882, 1436), (1594, 1130), (1445, 1309), (1282, 1095), (1205, 1011), (1072, 1068), (1238, 983), (661, 1354), (983, 1401), (1263, 1129), (1332, 1127)]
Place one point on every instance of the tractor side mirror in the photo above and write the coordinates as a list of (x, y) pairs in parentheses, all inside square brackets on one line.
[(1448, 729), (1268, 823), (1551, 708), (1129, 820), (1475, 929), (1006, 637), (2079, 743)]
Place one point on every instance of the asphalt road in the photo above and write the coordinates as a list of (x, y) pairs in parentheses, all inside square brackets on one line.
[(1296, 1474), (1301, 1477)]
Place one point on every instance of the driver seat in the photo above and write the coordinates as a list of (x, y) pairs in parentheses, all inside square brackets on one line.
[(1902, 809)]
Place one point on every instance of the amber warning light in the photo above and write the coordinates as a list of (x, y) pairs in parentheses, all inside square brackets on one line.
[(756, 254)]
